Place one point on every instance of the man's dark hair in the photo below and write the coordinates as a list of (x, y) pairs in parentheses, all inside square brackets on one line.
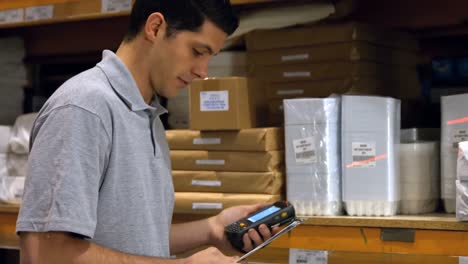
[(183, 15)]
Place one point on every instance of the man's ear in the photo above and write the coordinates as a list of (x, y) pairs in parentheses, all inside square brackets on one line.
[(155, 25)]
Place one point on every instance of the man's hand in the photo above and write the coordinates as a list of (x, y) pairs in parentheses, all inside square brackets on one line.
[(210, 255), (230, 215)]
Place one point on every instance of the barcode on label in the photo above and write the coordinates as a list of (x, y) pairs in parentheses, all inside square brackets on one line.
[(304, 150), (362, 158), (289, 92), (296, 74), (459, 135), (295, 57), (206, 206), (305, 155), (302, 256), (11, 16), (206, 183), (209, 162), (206, 141), (109, 6)]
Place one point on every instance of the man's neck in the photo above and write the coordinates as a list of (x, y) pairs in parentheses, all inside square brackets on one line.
[(135, 61)]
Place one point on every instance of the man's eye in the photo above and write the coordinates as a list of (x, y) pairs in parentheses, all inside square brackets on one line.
[(196, 53)]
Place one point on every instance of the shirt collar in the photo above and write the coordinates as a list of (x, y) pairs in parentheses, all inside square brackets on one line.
[(125, 86)]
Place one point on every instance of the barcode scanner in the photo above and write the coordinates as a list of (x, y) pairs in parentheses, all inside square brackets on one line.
[(274, 215)]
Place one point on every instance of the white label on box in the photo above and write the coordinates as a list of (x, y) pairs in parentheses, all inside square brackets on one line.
[(303, 256), (295, 57), (206, 183), (202, 206), (363, 154), (111, 6), (304, 150), (11, 16), (209, 162), (214, 101), (289, 92), (39, 12), (459, 135), (462, 260), (206, 141), (296, 74)]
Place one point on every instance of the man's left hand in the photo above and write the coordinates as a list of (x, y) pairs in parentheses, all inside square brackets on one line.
[(229, 216)]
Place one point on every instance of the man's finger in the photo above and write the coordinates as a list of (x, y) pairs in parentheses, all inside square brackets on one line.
[(255, 237), (247, 243), (264, 231)]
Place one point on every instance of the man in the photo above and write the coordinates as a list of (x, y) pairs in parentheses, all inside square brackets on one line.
[(99, 188)]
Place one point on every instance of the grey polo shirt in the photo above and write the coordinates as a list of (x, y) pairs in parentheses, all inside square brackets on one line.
[(99, 164)]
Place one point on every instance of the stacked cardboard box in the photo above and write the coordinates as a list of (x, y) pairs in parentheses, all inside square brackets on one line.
[(213, 170), (229, 103), (317, 61), (225, 64)]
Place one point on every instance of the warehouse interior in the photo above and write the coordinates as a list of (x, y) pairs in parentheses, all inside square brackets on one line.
[(353, 111)]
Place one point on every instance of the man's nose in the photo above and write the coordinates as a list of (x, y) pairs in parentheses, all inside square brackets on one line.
[(201, 69)]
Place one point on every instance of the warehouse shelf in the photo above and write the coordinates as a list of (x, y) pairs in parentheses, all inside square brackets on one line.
[(431, 234), (74, 13)]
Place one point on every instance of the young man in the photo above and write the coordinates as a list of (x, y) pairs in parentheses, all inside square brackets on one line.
[(99, 188)]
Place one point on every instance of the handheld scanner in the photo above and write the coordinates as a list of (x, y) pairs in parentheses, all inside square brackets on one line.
[(277, 214)]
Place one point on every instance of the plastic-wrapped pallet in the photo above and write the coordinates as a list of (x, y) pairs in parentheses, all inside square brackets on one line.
[(5, 133), (3, 165), (20, 133), (11, 189), (17, 164), (420, 180), (454, 129), (313, 167), (370, 155), (462, 182)]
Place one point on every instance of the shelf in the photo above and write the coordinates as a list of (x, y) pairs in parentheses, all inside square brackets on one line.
[(434, 234), (77, 15), (434, 221)]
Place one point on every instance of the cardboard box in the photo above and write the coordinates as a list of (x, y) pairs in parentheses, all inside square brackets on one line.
[(351, 51), (328, 70), (227, 161), (325, 34), (403, 87), (367, 85), (229, 59), (253, 139), (228, 182), (211, 203), (226, 104), (74, 8), (77, 8)]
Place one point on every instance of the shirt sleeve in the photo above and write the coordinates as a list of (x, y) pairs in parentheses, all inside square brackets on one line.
[(67, 163)]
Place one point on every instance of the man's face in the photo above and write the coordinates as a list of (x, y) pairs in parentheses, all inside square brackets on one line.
[(182, 57)]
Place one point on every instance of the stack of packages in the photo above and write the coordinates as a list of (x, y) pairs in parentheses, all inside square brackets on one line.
[(462, 182), (343, 150), (370, 137), (419, 170), (226, 63), (225, 160), (14, 151), (12, 80), (5, 132), (454, 129), (321, 60), (312, 142)]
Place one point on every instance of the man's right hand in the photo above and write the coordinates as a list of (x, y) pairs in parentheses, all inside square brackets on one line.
[(210, 255)]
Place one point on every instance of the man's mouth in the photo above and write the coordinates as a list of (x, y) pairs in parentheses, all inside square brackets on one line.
[(183, 81)]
